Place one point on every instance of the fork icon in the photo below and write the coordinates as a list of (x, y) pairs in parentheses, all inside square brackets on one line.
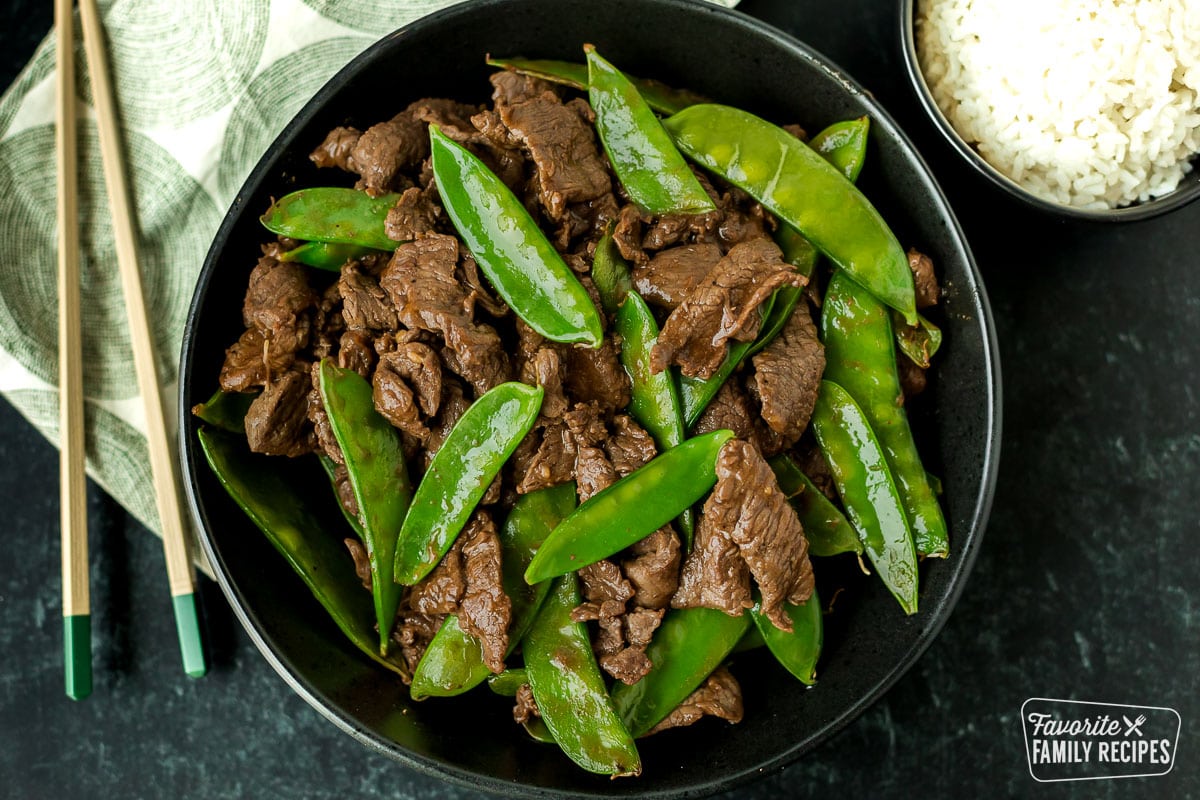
[(1135, 726)]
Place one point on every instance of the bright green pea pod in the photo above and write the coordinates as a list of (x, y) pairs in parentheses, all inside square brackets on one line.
[(632, 508), (511, 249), (660, 97), (647, 164), (751, 640), (570, 691), (453, 662), (226, 410), (799, 650), (375, 462), (655, 402), (688, 645), (332, 214), (803, 189), (326, 255), (330, 467), (297, 527), (919, 342), (508, 682), (864, 482), (460, 473), (844, 144), (827, 530), (859, 356)]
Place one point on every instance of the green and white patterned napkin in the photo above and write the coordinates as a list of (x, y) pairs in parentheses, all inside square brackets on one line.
[(203, 88)]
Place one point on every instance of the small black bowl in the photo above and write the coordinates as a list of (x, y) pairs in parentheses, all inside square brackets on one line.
[(869, 642), (1187, 191)]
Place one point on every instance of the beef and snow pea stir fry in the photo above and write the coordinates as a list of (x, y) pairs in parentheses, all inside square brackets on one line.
[(598, 373)]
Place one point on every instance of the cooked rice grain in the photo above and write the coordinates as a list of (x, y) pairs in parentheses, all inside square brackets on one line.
[(1089, 103)]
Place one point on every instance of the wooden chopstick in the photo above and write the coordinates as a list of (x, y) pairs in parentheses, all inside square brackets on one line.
[(162, 460), (77, 618)]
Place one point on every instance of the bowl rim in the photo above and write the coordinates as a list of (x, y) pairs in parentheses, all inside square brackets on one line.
[(1176, 198), (971, 536)]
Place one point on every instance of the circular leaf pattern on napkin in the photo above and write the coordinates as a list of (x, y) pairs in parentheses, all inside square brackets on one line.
[(176, 220), (178, 61), (117, 455), (377, 17), (272, 99)]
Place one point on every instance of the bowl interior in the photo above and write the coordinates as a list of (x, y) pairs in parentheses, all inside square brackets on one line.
[(869, 642), (1187, 191)]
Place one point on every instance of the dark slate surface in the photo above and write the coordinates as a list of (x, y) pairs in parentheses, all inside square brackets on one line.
[(1085, 587)]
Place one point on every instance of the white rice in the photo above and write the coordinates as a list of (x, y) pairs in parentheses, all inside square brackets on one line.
[(1089, 103)]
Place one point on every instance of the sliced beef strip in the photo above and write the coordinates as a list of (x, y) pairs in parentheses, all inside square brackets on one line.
[(413, 216), (652, 568), (562, 145), (720, 696), (714, 574), (723, 307), (278, 301), (511, 88), (525, 707), (452, 117), (485, 611), (729, 409), (277, 421), (544, 368), (924, 279), (593, 471), (326, 441), (344, 491), (454, 404), (596, 375), (552, 464), (356, 352), (468, 272), (421, 281), (362, 563), (250, 362), (758, 518), (413, 633), (442, 590), (627, 235), (336, 149), (787, 376), (671, 275), (630, 446), (672, 229), (365, 305), (742, 219), (394, 397), (387, 149), (328, 323)]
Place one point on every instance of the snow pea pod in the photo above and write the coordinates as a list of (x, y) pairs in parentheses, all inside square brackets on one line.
[(827, 530), (378, 475), (328, 256), (654, 399), (647, 164), (299, 529), (508, 682), (632, 508), (859, 354), (843, 144), (799, 650), (225, 410), (799, 186), (688, 645), (570, 691), (453, 662), (514, 254), (332, 214), (868, 493), (459, 474), (919, 342), (659, 96)]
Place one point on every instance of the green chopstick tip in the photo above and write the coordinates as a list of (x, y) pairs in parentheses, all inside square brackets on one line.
[(187, 623), (77, 655)]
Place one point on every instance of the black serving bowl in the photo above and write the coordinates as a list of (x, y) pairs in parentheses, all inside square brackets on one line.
[(869, 643), (1187, 190)]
